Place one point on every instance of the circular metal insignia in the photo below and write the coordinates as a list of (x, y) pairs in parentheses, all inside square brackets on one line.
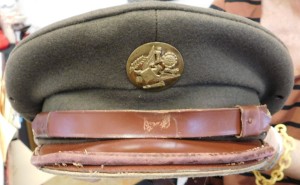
[(154, 65)]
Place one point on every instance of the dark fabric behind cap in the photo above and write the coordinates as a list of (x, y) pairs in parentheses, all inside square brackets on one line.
[(80, 63)]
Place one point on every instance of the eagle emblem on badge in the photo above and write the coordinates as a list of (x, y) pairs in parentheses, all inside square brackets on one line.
[(160, 67)]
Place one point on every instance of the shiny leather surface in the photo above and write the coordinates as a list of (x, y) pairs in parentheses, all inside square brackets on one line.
[(152, 146), (151, 152), (242, 121), (146, 141)]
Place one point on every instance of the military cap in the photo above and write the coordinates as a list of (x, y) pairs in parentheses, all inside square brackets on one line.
[(151, 88)]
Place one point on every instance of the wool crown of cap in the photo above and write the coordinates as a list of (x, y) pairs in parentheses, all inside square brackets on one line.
[(80, 63)]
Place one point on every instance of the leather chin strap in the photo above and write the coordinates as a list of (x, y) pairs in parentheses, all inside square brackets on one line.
[(242, 121)]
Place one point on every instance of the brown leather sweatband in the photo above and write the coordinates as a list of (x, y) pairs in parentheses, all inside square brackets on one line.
[(241, 121)]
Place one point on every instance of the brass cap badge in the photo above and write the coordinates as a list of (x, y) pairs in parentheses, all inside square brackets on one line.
[(154, 65)]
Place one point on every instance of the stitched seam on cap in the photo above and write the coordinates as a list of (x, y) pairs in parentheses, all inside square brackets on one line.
[(134, 10), (178, 86), (134, 89)]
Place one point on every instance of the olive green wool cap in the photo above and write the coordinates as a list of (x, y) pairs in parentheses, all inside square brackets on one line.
[(81, 63)]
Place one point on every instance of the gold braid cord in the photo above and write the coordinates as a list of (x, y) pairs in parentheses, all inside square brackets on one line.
[(284, 161)]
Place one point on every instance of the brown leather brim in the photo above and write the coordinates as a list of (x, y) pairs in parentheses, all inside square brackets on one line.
[(158, 157), (160, 143), (153, 172)]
